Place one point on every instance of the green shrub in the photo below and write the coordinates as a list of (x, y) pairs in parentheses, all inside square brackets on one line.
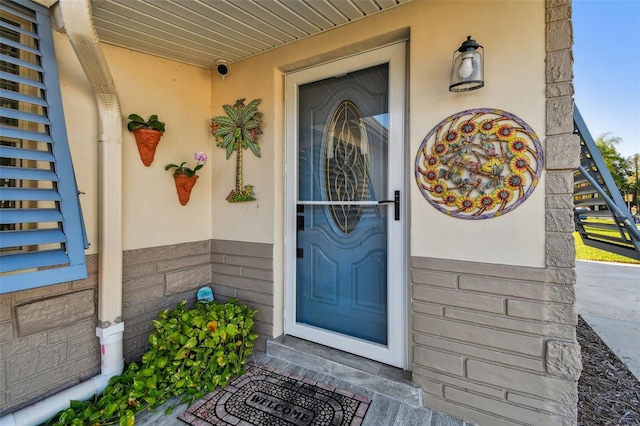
[(191, 352)]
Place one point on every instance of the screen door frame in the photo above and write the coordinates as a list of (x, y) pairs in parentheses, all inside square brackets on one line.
[(396, 351)]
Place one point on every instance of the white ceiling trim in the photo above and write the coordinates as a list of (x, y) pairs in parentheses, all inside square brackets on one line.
[(201, 32)]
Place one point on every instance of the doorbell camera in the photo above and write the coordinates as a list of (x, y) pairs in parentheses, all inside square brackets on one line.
[(222, 68)]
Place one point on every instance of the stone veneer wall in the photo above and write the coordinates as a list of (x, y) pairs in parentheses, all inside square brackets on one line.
[(493, 343), (158, 278), (245, 271), (48, 335), (155, 279), (496, 344), (48, 340)]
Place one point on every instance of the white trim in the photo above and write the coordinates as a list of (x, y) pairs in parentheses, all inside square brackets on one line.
[(396, 351)]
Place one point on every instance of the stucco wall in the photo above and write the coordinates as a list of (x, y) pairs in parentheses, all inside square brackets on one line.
[(511, 33), (180, 95), (186, 97)]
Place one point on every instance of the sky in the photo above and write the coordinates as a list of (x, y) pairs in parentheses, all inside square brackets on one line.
[(606, 69)]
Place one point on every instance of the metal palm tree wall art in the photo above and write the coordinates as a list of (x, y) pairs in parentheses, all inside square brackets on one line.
[(479, 164), (237, 131)]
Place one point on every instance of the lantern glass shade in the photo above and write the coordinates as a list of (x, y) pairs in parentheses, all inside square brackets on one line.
[(467, 69)]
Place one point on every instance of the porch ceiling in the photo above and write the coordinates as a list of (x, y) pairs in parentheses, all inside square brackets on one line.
[(200, 32)]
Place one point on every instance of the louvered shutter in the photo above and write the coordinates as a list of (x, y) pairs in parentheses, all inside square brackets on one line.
[(42, 237)]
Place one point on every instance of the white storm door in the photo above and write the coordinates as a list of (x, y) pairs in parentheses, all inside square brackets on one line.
[(345, 258)]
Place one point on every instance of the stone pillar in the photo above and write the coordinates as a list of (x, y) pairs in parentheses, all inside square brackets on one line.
[(562, 157)]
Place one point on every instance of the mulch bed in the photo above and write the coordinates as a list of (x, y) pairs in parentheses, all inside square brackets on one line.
[(608, 393)]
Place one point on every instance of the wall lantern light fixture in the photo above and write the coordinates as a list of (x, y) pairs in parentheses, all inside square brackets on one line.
[(467, 69)]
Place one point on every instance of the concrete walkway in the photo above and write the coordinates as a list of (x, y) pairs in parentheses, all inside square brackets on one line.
[(608, 299)]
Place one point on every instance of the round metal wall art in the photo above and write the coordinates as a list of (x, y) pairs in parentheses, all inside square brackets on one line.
[(479, 164)]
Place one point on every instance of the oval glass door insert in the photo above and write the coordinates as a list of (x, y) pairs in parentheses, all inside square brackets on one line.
[(346, 169)]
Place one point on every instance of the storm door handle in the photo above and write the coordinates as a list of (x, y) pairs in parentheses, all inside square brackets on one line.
[(396, 203)]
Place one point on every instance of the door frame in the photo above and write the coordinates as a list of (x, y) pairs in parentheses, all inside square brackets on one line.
[(396, 351)]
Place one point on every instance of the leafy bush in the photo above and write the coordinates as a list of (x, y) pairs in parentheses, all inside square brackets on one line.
[(191, 352)]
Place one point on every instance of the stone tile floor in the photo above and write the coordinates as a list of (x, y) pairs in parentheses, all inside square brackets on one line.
[(383, 410)]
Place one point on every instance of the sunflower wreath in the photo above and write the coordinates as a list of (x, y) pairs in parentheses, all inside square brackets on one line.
[(479, 164)]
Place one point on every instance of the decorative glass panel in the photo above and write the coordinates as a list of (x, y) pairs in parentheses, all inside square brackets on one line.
[(346, 165)]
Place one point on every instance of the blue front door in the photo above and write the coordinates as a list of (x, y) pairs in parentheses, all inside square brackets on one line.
[(345, 265), (341, 267)]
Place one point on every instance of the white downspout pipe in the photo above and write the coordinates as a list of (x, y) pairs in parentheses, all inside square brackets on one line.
[(84, 39), (78, 23)]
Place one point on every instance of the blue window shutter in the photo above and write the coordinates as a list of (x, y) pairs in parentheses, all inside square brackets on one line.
[(42, 235)]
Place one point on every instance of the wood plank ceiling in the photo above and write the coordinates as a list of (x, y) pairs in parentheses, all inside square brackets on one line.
[(201, 32)]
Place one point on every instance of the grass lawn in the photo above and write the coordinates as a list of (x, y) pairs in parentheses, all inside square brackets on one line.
[(589, 253)]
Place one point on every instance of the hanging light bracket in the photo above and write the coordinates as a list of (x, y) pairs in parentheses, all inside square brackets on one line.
[(467, 69)]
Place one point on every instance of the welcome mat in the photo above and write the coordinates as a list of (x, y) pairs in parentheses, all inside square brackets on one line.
[(264, 396)]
